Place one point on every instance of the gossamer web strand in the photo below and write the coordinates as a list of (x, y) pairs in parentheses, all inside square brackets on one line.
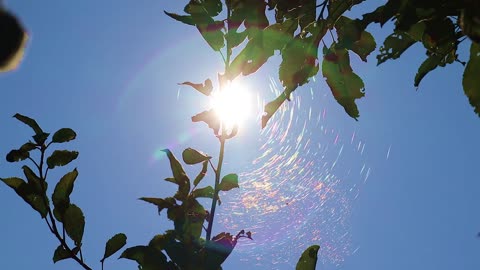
[(298, 190)]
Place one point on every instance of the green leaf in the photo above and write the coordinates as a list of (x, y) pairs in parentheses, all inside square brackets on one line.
[(29, 122), (64, 135), (61, 194), (28, 193), (394, 45), (61, 158), (114, 244), (428, 65), (74, 223), (192, 156), (345, 85), (29, 146), (206, 192), (160, 241), (202, 174), (338, 8), (160, 203), (180, 176), (250, 59), (186, 19), (60, 254), (308, 260), (205, 88), (14, 39), (41, 138), (211, 118), (352, 36), (149, 258), (469, 21), (228, 182), (272, 107), (471, 84), (39, 186), (17, 155)]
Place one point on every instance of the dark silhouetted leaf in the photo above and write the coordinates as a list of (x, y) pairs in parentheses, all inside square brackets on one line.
[(39, 186), (74, 223), (219, 249), (352, 37), (17, 155), (228, 182), (470, 21), (29, 146), (202, 174), (28, 194), (345, 85), (186, 19), (211, 118), (40, 138), (192, 156), (160, 203), (338, 8), (206, 192), (61, 194), (471, 84), (272, 107), (30, 122), (180, 176), (393, 46), (64, 135), (61, 158), (60, 254), (190, 224), (308, 260), (149, 258), (14, 39), (205, 88), (160, 241), (114, 244)]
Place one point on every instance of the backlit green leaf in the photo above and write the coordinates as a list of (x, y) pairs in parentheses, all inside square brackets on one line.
[(202, 174), (180, 176), (149, 258), (211, 118), (192, 156), (186, 19), (34, 181), (205, 88), (61, 194), (160, 203), (74, 223), (471, 83), (206, 192), (228, 182), (345, 85), (308, 260), (114, 244), (393, 46), (61, 158), (28, 193), (64, 135)]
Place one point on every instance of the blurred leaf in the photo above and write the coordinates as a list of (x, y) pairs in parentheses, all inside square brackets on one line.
[(471, 84), (61, 194), (180, 176), (345, 85), (202, 174), (74, 223), (192, 156), (30, 122), (206, 192), (228, 182), (28, 194), (17, 155), (14, 39), (210, 118), (60, 254), (470, 21), (308, 260), (160, 203), (338, 8), (64, 135), (114, 244), (205, 88), (61, 158), (149, 258), (186, 19)]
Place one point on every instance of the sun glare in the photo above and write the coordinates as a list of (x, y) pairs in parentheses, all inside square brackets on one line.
[(233, 104)]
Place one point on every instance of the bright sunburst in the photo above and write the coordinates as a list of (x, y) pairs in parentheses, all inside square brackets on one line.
[(233, 104)]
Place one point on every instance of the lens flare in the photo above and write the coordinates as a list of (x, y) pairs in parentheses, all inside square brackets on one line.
[(233, 104)]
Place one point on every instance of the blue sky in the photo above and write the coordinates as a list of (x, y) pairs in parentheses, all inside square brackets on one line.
[(397, 189)]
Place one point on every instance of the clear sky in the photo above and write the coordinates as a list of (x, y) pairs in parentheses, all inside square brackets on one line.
[(396, 190)]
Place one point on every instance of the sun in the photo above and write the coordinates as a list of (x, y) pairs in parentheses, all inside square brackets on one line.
[(233, 105)]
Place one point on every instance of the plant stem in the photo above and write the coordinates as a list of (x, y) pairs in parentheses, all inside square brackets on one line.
[(217, 183)]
